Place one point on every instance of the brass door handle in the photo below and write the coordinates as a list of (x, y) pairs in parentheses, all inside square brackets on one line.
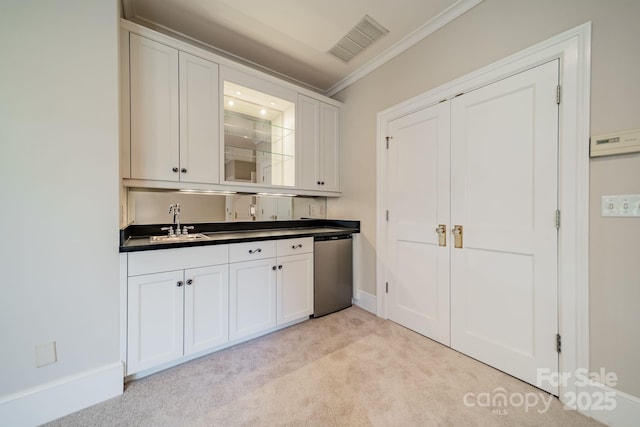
[(457, 232), (442, 234)]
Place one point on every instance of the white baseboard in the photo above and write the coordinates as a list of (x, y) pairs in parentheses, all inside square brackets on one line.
[(626, 411), (62, 397), (366, 301)]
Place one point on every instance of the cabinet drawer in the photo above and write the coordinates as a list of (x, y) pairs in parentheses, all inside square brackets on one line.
[(176, 259), (301, 245), (252, 250)]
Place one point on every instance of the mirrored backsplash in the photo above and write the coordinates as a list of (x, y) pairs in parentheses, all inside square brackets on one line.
[(152, 207)]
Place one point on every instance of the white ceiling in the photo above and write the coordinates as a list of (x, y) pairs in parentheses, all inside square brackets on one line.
[(292, 37)]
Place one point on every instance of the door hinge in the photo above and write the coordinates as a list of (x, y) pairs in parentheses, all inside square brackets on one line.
[(386, 286), (558, 219), (558, 343), (387, 215), (558, 92), (388, 138)]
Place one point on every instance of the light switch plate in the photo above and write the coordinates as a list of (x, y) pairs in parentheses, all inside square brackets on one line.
[(620, 206)]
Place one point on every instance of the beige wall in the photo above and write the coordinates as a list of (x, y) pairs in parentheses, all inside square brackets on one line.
[(489, 32), (59, 197)]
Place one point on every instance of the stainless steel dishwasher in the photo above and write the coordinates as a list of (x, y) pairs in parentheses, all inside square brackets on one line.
[(333, 273)]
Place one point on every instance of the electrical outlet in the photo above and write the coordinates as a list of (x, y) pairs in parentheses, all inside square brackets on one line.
[(46, 354)]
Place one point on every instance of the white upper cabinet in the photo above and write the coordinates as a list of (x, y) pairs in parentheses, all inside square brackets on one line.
[(318, 145), (195, 121), (198, 120), (259, 131), (329, 150), (155, 131), (174, 114)]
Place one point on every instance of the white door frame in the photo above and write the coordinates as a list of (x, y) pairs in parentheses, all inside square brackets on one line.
[(573, 48)]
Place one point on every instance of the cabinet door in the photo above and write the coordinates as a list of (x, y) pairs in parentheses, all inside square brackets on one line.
[(308, 135), (295, 287), (199, 149), (252, 297), (206, 308), (319, 145), (154, 110), (155, 313), (329, 148)]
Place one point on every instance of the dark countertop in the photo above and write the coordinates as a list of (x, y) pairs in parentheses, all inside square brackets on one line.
[(135, 238)]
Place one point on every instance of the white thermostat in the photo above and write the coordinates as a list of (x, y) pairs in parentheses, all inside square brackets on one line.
[(615, 143)]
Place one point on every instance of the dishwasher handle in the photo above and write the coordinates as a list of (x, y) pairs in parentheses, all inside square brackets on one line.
[(338, 237)]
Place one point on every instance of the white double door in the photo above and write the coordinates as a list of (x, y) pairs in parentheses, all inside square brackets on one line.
[(486, 161)]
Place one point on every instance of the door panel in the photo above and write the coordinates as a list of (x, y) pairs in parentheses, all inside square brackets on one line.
[(308, 133), (252, 297), (206, 313), (329, 149), (418, 189), (155, 311), (515, 300), (199, 153), (504, 193), (419, 301), (294, 287), (154, 110)]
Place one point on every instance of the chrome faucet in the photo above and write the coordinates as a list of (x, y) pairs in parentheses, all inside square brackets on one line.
[(175, 209)]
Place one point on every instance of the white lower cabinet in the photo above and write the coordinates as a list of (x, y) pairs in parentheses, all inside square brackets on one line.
[(206, 308), (252, 297), (154, 320), (252, 288), (294, 287), (271, 289), (176, 313)]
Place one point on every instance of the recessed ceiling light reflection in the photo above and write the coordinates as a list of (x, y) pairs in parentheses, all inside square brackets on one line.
[(263, 111), (231, 103)]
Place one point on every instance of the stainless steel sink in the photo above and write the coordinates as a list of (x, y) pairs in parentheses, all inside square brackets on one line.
[(178, 238)]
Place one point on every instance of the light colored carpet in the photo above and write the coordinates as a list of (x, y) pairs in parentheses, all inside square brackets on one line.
[(346, 369)]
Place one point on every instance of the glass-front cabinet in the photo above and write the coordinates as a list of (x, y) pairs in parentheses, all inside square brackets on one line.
[(259, 131)]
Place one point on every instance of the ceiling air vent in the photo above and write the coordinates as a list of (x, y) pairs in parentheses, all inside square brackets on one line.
[(358, 39)]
